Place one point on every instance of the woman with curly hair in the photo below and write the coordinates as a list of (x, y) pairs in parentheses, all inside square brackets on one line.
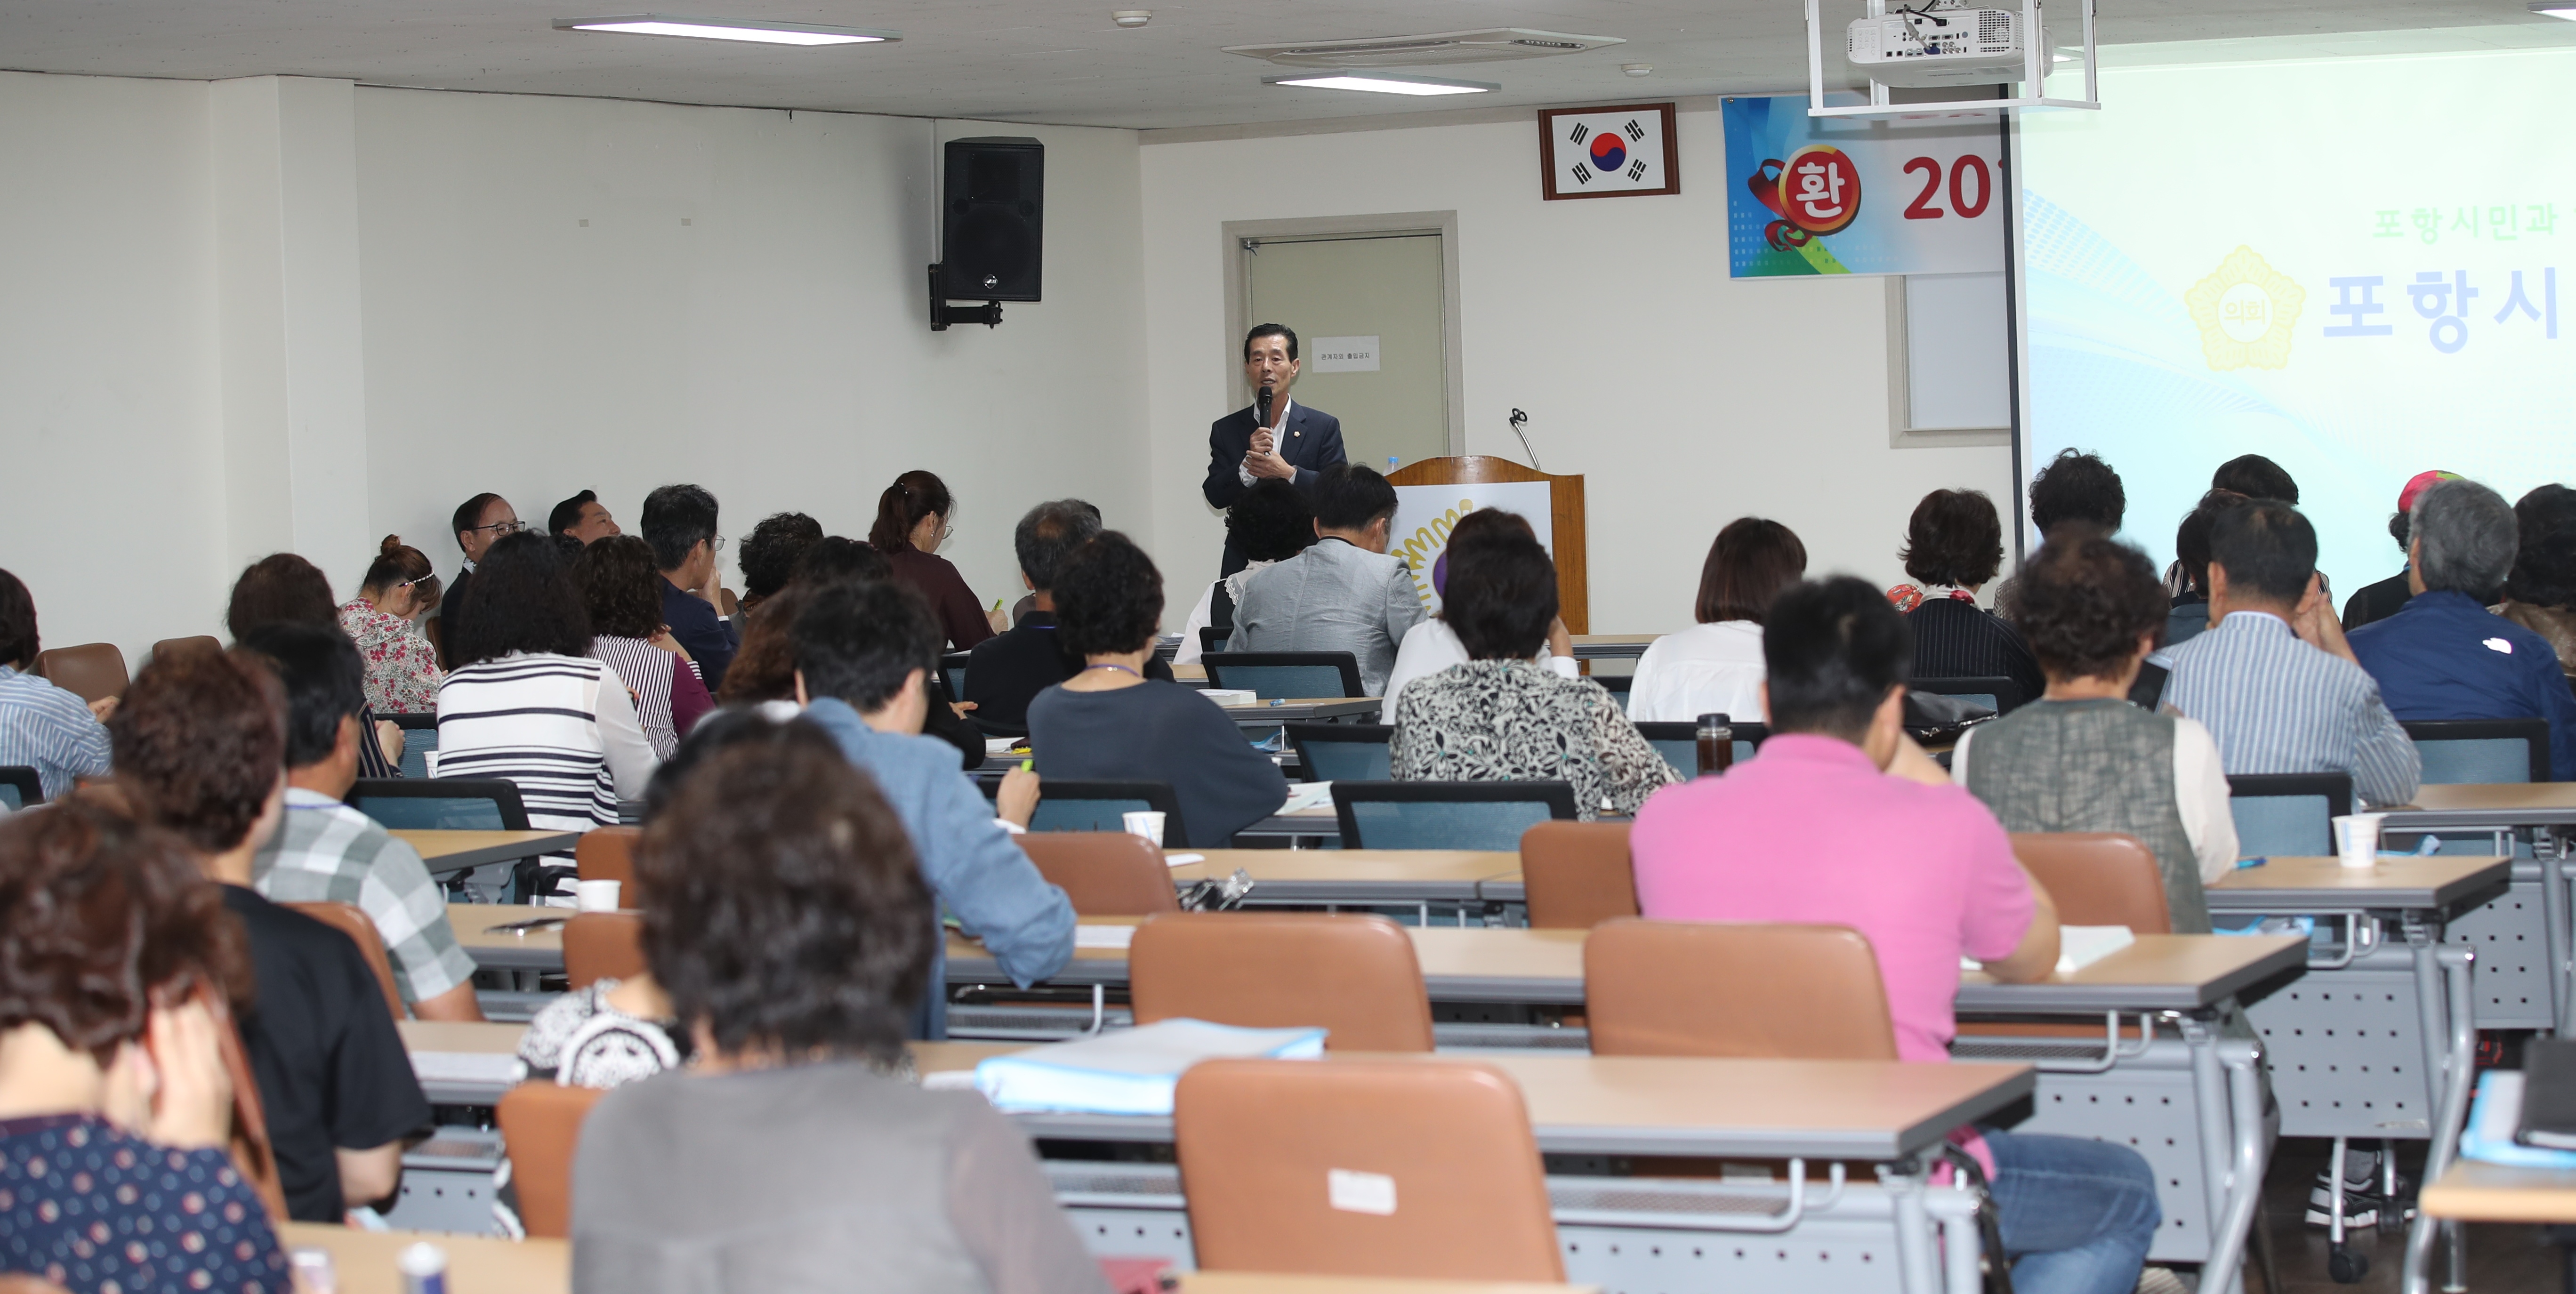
[(115, 1102), (1954, 544), (787, 921), (622, 590), (2082, 758), (2540, 595)]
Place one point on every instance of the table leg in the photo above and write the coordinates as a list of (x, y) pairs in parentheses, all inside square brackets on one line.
[(2552, 849), (1915, 1269), (2450, 1112), (2209, 1093), (2243, 1165)]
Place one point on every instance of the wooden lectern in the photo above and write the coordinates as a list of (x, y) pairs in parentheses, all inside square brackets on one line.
[(1565, 495)]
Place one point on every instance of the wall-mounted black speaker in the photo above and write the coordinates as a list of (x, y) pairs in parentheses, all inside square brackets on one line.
[(992, 219)]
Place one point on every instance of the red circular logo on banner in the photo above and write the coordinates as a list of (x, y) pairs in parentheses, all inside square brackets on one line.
[(1820, 189)]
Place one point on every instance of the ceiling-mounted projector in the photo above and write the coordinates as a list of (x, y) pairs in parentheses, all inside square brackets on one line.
[(1938, 46), (1493, 44)]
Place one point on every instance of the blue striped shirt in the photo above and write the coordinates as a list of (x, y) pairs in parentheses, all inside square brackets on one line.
[(2278, 705), (49, 730)]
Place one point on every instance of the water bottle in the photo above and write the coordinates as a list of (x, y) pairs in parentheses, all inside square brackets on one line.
[(1716, 744), (424, 1269)]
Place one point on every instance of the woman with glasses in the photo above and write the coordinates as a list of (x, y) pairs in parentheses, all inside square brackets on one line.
[(912, 522), (402, 669)]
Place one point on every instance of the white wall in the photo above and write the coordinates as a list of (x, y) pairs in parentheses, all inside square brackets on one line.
[(276, 312), (1684, 398), (111, 456), (775, 349)]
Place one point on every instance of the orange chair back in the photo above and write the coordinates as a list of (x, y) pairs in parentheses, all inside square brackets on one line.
[(1672, 988), (1382, 1168), (1353, 975), (541, 1128), (608, 854), (2097, 878), (1576, 874), (193, 642), (603, 945), (91, 671), (351, 920), (1105, 873)]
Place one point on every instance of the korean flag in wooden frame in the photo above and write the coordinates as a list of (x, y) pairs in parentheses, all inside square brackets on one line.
[(1622, 151)]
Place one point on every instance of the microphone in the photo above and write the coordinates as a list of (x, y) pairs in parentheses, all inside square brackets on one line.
[(1265, 404)]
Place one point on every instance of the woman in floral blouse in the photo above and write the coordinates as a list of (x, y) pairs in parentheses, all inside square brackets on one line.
[(1502, 716), (402, 668)]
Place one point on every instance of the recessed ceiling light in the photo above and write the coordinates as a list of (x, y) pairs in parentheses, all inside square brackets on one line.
[(1381, 83), (1132, 17), (765, 33), (1484, 46), (1638, 69), (2556, 9)]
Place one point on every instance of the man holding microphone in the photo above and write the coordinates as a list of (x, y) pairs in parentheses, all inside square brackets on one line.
[(1276, 436)]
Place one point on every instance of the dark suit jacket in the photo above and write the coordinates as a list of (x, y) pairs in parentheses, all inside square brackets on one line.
[(447, 604), (711, 639), (1008, 670), (1311, 442)]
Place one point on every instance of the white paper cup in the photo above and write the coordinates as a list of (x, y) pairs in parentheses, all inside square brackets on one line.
[(1145, 822), (595, 896), (2356, 837), (429, 758)]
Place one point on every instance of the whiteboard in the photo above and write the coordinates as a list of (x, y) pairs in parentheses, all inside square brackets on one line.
[(1956, 375)]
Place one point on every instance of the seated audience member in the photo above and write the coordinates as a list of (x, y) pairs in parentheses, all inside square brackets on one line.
[(2076, 487), (402, 668), (912, 522), (1009, 668), (680, 524), (2187, 612), (2444, 655), (115, 1104), (623, 594), (2540, 595), (1111, 723), (1269, 523), (792, 932), (199, 750), (1344, 593), (1029, 601), (478, 521), (864, 652), (283, 587), (1503, 717), (42, 726), (582, 519), (1812, 830), (2246, 476), (612, 1032), (765, 669), (2082, 758), (2273, 679), (528, 703), (1955, 544), (768, 557), (1432, 646), (1715, 667), (325, 851), (2373, 602)]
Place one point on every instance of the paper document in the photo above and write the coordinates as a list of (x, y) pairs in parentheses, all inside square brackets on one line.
[(1309, 797), (465, 1066), (1001, 745), (1183, 860), (1103, 936), (1129, 1071), (2079, 946)]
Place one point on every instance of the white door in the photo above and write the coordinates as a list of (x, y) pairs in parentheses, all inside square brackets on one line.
[(1368, 310)]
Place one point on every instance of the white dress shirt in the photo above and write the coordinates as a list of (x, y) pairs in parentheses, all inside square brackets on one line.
[(1286, 406), (1713, 668)]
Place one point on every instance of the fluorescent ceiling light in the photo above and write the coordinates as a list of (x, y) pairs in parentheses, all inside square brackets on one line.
[(1382, 83), (2556, 9), (766, 33)]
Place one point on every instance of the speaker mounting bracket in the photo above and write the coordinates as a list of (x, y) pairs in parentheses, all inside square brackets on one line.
[(942, 313)]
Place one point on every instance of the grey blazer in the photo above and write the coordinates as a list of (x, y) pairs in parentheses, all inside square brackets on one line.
[(1335, 596)]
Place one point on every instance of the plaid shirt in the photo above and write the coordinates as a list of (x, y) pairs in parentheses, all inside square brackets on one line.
[(326, 851)]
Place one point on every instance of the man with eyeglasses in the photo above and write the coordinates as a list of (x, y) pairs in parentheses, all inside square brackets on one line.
[(680, 524), (479, 521)]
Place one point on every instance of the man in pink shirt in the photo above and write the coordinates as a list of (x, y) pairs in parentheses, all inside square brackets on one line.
[(1813, 829)]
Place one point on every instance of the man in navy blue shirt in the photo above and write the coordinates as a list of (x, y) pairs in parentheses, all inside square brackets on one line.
[(2444, 656), (680, 524)]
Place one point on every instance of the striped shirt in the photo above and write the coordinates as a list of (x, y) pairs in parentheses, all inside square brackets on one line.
[(647, 672), (2278, 705), (561, 727), (49, 730), (1953, 639), (327, 852)]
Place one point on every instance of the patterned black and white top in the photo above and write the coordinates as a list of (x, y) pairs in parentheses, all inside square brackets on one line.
[(562, 727), (1515, 721)]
